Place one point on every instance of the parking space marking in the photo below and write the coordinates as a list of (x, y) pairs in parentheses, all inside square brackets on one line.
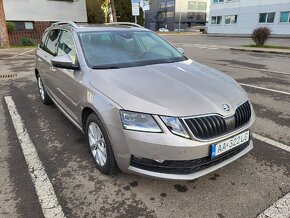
[(205, 46), (266, 89), (44, 189), (271, 142), (256, 69), (23, 53), (280, 209)]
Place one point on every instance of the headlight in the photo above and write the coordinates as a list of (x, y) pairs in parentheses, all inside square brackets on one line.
[(175, 126), (139, 122)]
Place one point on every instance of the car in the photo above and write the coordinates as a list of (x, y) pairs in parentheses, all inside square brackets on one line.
[(143, 106), (163, 30)]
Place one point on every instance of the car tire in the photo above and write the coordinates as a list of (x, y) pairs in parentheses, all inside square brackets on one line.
[(44, 97), (99, 146)]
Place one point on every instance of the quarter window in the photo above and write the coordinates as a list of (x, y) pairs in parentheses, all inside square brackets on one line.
[(218, 1), (284, 17), (43, 40), (67, 46), (216, 20), (52, 41), (267, 17), (232, 19)]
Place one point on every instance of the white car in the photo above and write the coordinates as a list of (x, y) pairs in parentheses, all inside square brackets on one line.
[(163, 30)]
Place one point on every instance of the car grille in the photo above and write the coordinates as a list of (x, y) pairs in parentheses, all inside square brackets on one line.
[(212, 126), (183, 167)]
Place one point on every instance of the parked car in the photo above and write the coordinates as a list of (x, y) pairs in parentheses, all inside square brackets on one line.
[(143, 106), (163, 30)]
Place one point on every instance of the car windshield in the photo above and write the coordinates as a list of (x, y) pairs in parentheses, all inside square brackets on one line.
[(119, 49)]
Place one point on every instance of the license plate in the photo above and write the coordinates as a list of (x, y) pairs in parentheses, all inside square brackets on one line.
[(224, 146)]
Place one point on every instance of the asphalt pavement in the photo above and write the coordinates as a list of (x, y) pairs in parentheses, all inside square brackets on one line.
[(244, 188)]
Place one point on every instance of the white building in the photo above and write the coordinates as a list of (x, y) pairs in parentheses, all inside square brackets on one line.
[(32, 17), (241, 17)]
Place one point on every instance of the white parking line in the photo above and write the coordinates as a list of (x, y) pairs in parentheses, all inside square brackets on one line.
[(23, 53), (280, 209), (266, 89), (44, 189), (271, 142), (257, 69)]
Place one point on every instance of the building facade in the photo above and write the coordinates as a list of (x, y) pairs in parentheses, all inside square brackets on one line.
[(172, 13), (32, 17), (241, 17)]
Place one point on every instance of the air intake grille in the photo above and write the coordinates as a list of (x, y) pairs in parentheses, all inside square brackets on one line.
[(214, 126)]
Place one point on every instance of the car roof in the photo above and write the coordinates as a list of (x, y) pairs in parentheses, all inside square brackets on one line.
[(117, 26)]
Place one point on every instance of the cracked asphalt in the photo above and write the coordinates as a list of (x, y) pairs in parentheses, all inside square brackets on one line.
[(244, 188)]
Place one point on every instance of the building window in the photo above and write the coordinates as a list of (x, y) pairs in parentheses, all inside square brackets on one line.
[(216, 20), (170, 4), (23, 26), (232, 19), (162, 5), (197, 16), (218, 1), (169, 14), (196, 6), (267, 17), (284, 17)]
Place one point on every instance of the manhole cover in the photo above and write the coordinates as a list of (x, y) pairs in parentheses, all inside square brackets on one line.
[(7, 75)]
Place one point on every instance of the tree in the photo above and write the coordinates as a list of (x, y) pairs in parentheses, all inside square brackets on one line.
[(124, 12), (4, 37), (96, 10), (113, 9)]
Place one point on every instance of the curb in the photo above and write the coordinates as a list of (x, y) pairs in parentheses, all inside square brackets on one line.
[(262, 50)]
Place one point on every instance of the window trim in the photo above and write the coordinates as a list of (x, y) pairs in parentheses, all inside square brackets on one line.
[(216, 20), (288, 18), (266, 19), (236, 19)]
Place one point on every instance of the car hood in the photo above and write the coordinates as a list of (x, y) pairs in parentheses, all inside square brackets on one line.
[(176, 89)]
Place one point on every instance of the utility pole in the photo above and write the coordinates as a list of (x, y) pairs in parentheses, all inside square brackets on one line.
[(4, 37)]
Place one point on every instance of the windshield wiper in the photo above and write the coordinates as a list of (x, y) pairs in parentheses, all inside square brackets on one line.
[(104, 67)]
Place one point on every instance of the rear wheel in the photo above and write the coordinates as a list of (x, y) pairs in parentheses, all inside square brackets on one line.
[(43, 94), (99, 145)]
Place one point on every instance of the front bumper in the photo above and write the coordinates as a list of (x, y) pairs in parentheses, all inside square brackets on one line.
[(180, 158), (191, 169)]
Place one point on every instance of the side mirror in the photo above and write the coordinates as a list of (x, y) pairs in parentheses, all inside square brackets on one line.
[(181, 50), (64, 62)]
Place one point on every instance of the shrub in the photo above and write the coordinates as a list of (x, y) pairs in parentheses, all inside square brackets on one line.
[(10, 27), (27, 41), (260, 35)]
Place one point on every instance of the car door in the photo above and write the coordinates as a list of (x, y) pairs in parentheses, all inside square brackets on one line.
[(51, 46), (65, 80), (41, 56)]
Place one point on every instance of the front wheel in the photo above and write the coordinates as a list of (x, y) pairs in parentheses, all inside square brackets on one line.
[(43, 94), (99, 145)]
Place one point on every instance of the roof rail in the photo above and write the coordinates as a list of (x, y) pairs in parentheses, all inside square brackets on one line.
[(70, 23), (125, 24)]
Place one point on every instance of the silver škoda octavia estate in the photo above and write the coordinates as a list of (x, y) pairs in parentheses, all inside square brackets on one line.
[(143, 106)]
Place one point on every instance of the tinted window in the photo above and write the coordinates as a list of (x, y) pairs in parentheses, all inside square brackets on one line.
[(52, 42), (67, 46)]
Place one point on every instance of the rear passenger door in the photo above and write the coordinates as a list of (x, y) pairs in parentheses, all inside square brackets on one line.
[(50, 51)]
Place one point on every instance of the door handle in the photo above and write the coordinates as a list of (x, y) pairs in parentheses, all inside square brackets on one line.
[(39, 60), (52, 69)]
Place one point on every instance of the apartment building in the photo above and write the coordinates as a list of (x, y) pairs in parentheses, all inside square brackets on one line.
[(241, 17), (172, 13), (32, 17)]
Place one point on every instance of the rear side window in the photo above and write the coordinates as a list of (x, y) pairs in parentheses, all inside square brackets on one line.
[(52, 41), (42, 43)]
